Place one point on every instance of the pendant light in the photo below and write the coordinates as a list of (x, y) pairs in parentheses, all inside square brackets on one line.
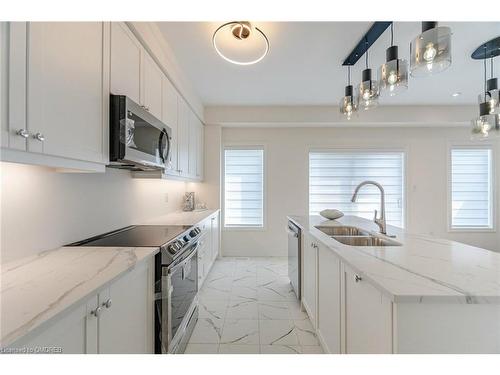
[(393, 75), (368, 88), (349, 102), (487, 125), (430, 52)]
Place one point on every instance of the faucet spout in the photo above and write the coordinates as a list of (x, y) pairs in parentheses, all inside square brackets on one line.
[(381, 220)]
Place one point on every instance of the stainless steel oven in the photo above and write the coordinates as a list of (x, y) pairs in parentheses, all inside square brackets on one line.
[(179, 304), (137, 139)]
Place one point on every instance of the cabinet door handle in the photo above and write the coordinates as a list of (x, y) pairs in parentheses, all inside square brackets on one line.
[(23, 133), (357, 278), (108, 303), (39, 137), (96, 312)]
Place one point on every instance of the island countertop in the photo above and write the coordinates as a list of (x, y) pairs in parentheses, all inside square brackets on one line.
[(422, 270)]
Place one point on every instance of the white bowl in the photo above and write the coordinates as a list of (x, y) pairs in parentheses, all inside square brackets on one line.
[(331, 214)]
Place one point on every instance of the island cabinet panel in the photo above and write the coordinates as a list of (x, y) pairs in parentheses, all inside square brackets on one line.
[(451, 328), (73, 333), (368, 316), (329, 330), (309, 279)]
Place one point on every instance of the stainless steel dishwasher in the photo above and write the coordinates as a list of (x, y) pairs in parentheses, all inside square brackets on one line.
[(294, 255)]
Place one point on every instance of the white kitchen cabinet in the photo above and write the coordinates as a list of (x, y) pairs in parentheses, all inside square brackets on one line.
[(329, 300), (200, 149), (126, 52), (55, 78), (368, 316), (13, 41), (183, 137), (193, 145), (117, 319), (209, 247), (152, 86), (65, 89), (309, 279), (170, 118), (215, 231), (73, 333), (126, 326)]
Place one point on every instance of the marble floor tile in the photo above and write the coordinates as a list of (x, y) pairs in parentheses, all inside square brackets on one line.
[(242, 308), (207, 331), (280, 349), (249, 292), (277, 332), (239, 349), (240, 331), (305, 333), (247, 306), (202, 349), (215, 309), (273, 310)]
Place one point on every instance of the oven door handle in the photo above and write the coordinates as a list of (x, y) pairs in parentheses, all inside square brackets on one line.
[(187, 259)]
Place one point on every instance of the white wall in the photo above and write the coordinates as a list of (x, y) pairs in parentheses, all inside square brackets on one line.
[(287, 179), (42, 209)]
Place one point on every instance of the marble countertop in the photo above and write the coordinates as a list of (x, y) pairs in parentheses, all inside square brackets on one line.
[(181, 217), (423, 270), (38, 288)]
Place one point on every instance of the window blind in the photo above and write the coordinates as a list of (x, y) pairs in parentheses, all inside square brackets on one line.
[(333, 176), (243, 187), (471, 188)]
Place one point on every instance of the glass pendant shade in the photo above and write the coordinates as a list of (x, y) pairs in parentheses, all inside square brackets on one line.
[(487, 125), (348, 103), (430, 52), (393, 75), (368, 91)]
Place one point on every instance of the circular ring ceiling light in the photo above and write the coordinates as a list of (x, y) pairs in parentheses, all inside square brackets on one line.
[(247, 43)]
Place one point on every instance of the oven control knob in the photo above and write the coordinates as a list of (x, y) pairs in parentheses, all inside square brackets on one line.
[(174, 247), (194, 232)]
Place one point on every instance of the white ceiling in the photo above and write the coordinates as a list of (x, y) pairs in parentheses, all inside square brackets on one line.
[(303, 66)]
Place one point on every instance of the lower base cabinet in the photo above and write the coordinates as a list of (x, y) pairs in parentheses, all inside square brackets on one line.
[(125, 323), (118, 319), (329, 300), (368, 317), (309, 278), (209, 247)]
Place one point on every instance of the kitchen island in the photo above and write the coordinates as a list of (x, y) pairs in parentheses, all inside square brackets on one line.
[(419, 295)]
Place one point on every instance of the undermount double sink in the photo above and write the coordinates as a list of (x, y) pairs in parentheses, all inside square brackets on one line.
[(354, 236)]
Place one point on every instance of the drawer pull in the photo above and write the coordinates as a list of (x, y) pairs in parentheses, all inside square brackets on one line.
[(358, 278)]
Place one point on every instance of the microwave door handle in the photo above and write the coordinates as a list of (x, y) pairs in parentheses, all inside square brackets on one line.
[(160, 145)]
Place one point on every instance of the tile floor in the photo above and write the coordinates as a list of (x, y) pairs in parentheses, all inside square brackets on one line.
[(247, 306)]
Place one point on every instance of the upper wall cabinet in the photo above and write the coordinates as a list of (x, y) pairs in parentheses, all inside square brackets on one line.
[(126, 53), (57, 93), (170, 116), (55, 80), (152, 87)]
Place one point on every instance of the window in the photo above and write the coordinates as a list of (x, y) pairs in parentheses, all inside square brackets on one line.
[(333, 176), (471, 188), (244, 187)]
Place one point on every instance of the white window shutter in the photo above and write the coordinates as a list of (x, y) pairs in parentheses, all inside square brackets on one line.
[(333, 176), (243, 187), (471, 188)]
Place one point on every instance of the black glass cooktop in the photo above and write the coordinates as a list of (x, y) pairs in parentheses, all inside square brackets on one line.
[(136, 236)]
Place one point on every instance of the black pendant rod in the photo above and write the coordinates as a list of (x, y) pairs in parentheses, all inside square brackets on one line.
[(366, 42)]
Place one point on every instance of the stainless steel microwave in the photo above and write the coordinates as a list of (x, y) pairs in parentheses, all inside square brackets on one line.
[(137, 139)]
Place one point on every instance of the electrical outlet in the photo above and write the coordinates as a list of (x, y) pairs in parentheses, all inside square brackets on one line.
[(166, 197)]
